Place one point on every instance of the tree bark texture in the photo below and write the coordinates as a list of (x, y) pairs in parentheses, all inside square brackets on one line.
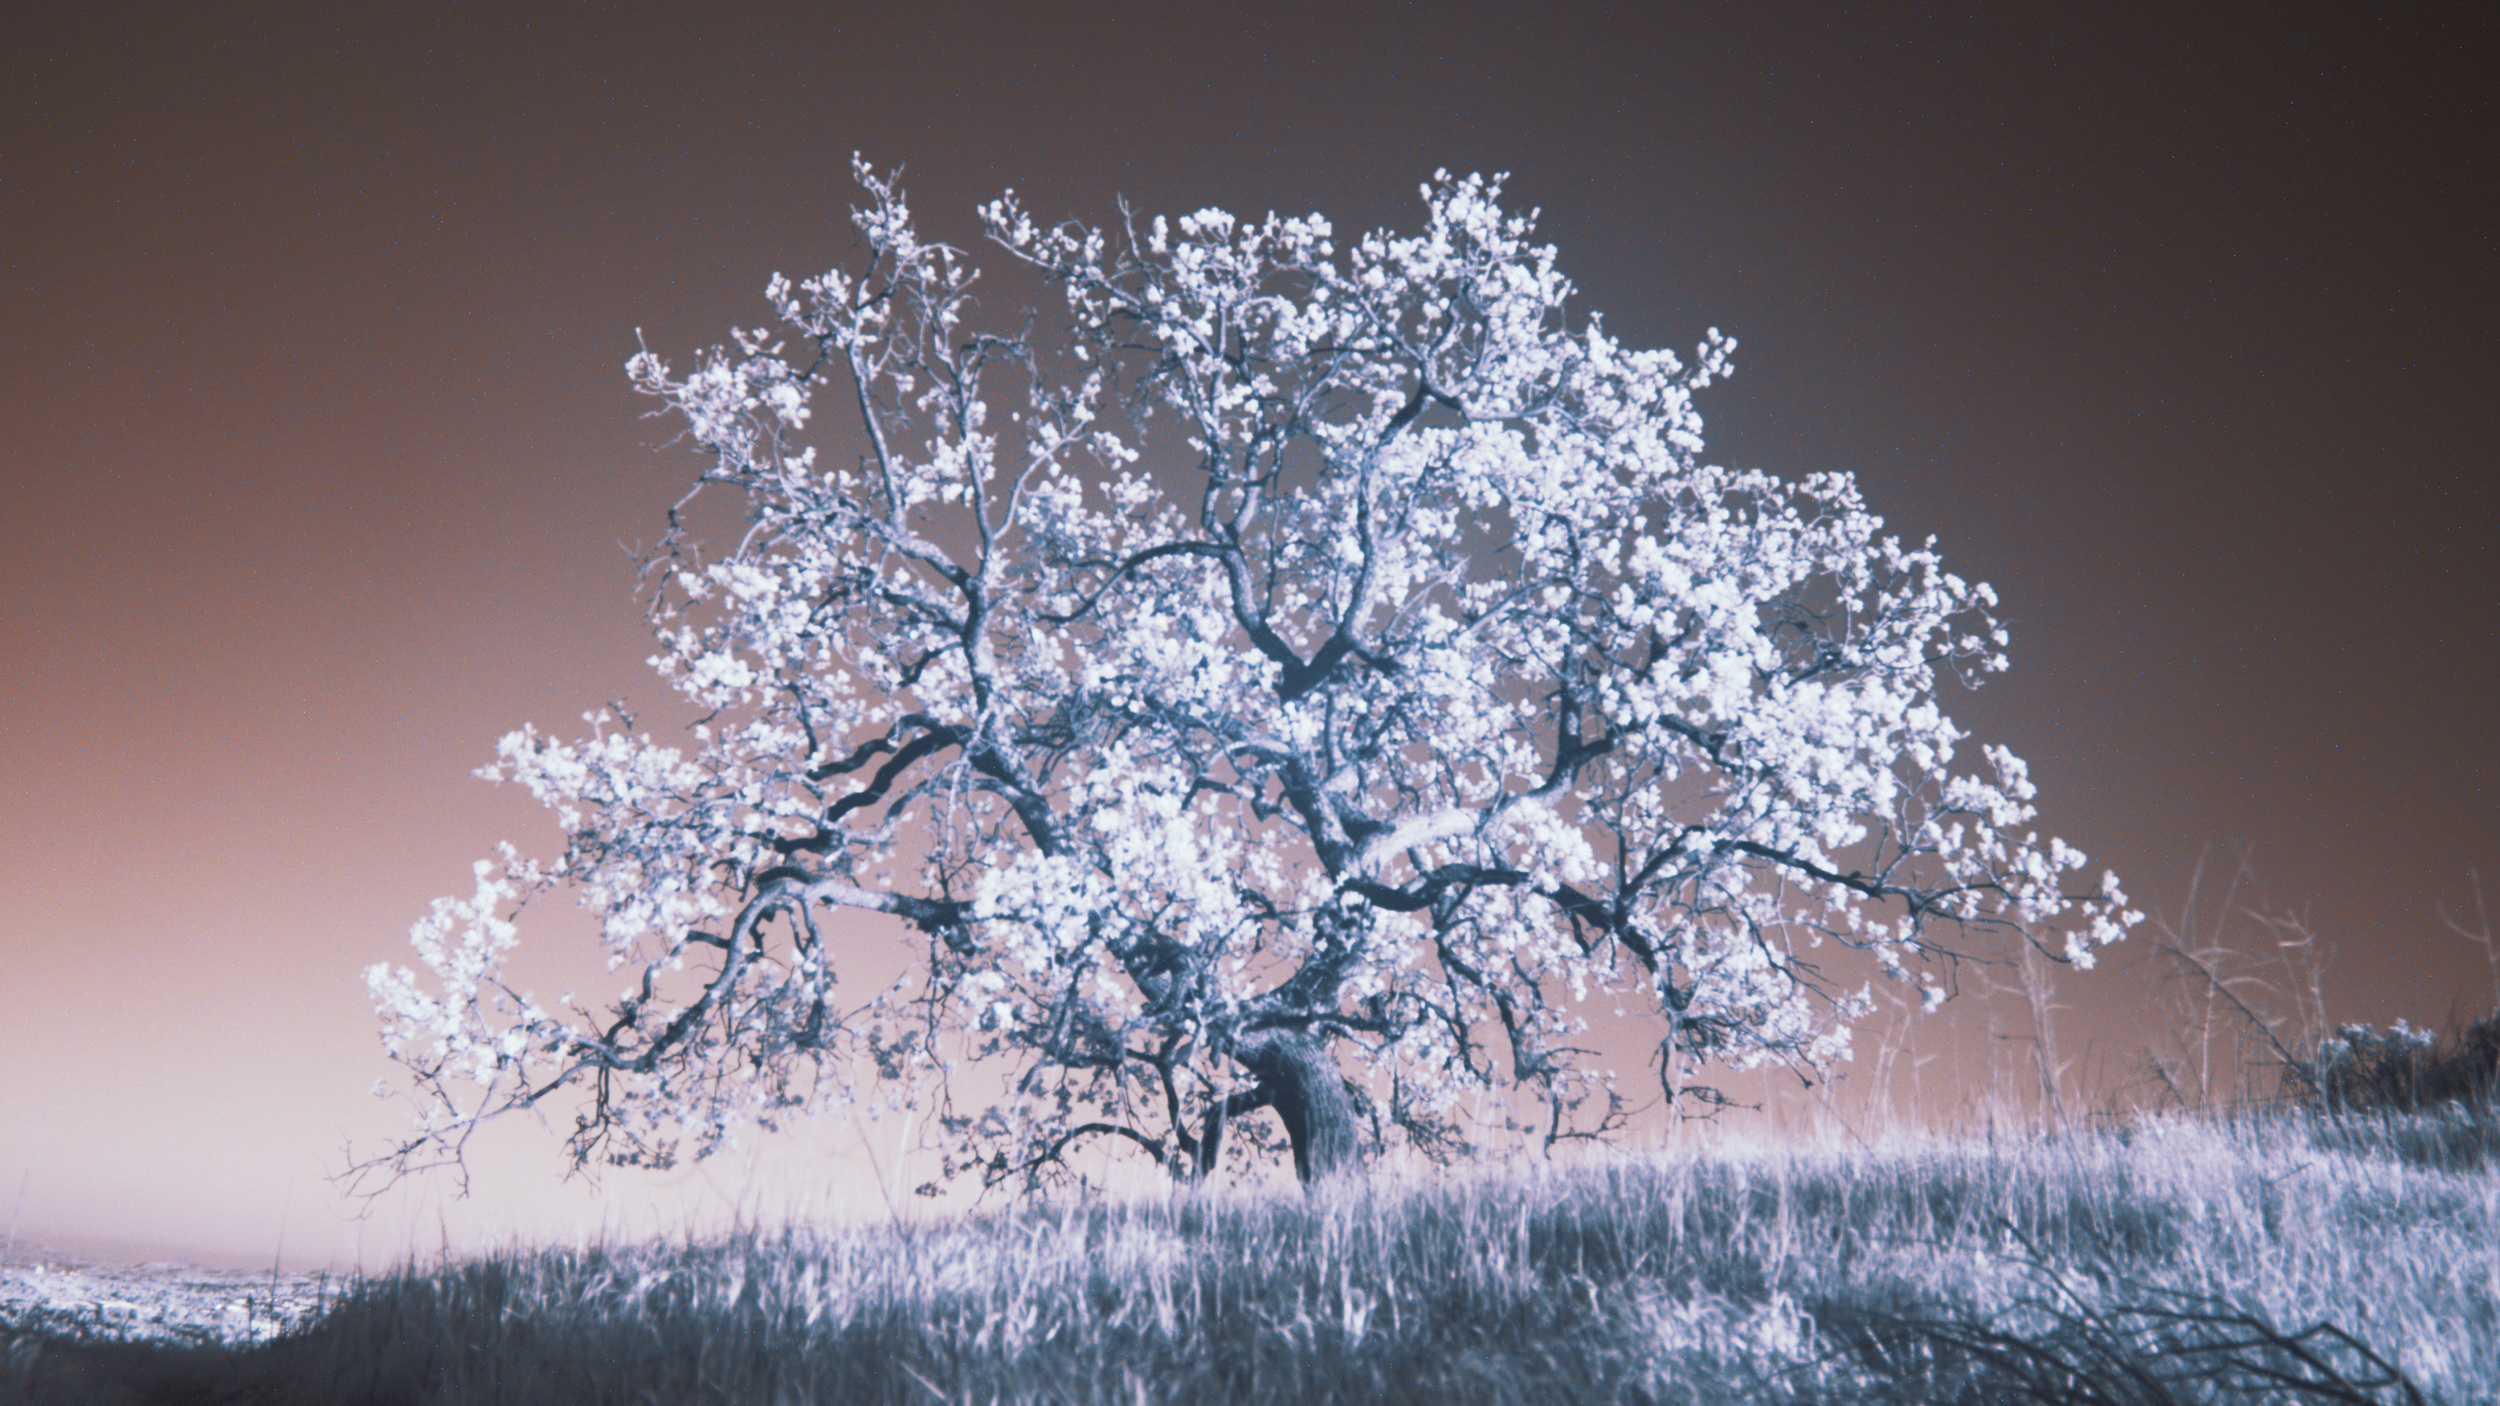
[(1295, 1070)]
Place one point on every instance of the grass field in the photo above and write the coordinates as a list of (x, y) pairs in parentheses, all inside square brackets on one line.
[(2284, 1259)]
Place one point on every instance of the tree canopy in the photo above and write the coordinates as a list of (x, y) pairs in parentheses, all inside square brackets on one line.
[(1288, 675)]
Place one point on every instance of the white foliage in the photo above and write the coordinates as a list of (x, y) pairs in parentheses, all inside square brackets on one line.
[(1298, 637)]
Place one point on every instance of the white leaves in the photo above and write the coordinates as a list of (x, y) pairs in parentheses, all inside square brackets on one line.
[(1439, 669)]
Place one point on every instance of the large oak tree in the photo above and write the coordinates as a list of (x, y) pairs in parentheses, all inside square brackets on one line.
[(1291, 676)]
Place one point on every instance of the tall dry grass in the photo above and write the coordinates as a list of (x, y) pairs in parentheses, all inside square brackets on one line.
[(2285, 1259)]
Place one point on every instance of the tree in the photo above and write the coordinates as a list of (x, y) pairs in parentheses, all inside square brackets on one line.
[(1294, 681)]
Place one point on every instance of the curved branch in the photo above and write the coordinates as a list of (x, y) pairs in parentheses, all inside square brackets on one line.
[(1153, 1146)]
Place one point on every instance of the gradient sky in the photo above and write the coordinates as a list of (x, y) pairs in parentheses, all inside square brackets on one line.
[(2179, 331)]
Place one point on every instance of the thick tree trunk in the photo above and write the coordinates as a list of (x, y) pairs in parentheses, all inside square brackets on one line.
[(1301, 1080)]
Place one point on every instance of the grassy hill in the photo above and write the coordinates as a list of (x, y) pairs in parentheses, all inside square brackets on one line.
[(2283, 1259)]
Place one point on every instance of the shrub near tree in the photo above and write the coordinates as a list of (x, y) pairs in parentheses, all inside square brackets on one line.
[(2401, 1069), (1290, 677)]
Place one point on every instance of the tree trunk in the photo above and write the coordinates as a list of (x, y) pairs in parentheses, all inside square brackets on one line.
[(1302, 1081)]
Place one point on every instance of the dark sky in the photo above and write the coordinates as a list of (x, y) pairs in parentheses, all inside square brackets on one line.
[(2178, 330)]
